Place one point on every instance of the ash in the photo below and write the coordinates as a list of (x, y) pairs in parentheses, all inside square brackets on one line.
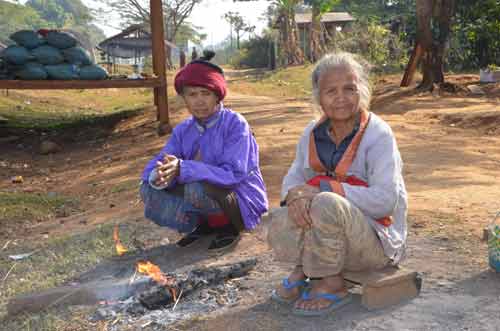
[(132, 313)]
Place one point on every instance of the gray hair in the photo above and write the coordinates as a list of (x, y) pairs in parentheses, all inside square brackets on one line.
[(350, 62)]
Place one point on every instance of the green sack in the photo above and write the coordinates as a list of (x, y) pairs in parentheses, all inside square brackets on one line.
[(4, 74), (27, 38), (77, 55), (93, 72), (48, 55), (63, 71), (32, 71), (61, 40), (17, 55)]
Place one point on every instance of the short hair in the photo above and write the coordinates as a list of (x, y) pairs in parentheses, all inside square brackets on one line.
[(359, 67)]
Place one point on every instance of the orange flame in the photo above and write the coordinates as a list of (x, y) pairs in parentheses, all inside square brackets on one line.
[(153, 271), (120, 249)]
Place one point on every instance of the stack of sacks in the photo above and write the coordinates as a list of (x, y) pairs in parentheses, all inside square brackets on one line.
[(48, 54)]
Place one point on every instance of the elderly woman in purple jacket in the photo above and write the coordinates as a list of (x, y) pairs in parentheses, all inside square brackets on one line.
[(206, 180)]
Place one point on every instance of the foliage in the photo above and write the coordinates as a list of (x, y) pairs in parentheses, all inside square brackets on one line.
[(378, 10), (176, 13), (254, 53), (238, 25), (50, 11), (476, 32), (376, 43), (190, 32), (289, 40), (37, 14), (17, 17)]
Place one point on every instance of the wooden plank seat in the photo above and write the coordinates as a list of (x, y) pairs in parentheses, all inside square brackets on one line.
[(79, 84), (385, 287)]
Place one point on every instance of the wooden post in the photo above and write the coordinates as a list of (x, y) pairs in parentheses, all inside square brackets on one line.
[(158, 45), (412, 65)]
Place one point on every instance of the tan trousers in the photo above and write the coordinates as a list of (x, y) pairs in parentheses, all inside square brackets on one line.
[(339, 239)]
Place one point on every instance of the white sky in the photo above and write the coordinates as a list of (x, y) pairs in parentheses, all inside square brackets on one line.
[(207, 15)]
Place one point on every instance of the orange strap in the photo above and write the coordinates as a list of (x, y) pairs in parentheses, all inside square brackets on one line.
[(344, 164)]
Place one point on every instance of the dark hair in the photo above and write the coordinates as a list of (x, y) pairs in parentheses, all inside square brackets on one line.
[(205, 59)]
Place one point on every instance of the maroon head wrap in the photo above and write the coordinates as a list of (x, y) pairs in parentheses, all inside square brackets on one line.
[(202, 73)]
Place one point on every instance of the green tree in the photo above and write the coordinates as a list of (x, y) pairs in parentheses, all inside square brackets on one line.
[(285, 19), (238, 25), (317, 46), (476, 32)]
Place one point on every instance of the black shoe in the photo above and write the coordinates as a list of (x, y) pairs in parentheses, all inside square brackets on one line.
[(225, 239), (202, 230)]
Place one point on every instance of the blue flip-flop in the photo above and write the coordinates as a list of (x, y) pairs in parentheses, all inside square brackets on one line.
[(336, 303), (288, 286)]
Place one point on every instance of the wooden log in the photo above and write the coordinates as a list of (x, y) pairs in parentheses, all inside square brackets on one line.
[(159, 296), (382, 288), (84, 294)]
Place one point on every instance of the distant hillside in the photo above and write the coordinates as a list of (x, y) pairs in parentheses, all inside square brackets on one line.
[(36, 14)]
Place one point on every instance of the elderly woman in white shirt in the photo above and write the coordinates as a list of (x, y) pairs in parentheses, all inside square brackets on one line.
[(344, 199)]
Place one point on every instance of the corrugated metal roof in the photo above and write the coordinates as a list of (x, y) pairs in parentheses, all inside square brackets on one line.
[(327, 17)]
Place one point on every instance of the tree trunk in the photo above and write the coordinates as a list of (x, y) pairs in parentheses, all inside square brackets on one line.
[(437, 14), (296, 56), (289, 38), (316, 47)]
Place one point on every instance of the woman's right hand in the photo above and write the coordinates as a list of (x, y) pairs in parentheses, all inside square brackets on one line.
[(299, 201)]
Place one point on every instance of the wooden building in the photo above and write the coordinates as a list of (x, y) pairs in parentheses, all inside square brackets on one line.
[(132, 43), (330, 23)]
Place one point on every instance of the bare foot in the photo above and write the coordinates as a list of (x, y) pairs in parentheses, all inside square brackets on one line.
[(291, 294), (330, 285)]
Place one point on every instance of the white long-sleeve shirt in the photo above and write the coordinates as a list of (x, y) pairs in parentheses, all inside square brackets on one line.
[(378, 163)]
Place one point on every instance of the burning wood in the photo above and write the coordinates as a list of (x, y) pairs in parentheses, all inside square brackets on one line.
[(153, 271), (158, 296), (120, 249)]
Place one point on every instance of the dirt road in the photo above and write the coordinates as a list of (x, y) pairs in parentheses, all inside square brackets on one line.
[(451, 149)]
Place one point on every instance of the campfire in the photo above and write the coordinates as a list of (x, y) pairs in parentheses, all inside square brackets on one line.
[(142, 293), (156, 300), (203, 290)]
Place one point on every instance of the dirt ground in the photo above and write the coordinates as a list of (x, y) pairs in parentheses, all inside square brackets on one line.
[(450, 146)]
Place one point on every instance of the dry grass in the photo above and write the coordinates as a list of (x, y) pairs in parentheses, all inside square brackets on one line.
[(54, 263), (56, 109), (292, 82)]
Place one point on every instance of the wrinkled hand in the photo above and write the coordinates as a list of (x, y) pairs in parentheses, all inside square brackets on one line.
[(299, 201), (168, 169)]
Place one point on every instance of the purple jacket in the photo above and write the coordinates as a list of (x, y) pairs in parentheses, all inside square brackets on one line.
[(229, 158)]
